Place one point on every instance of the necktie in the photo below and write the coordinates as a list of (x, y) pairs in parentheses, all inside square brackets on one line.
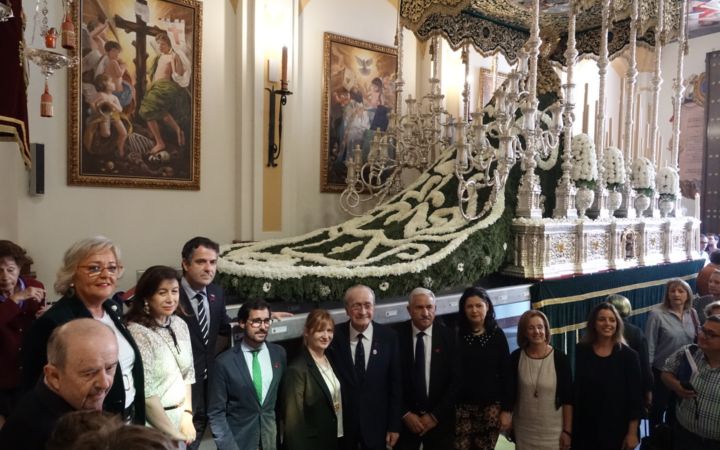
[(257, 375), (419, 372), (202, 318), (360, 358)]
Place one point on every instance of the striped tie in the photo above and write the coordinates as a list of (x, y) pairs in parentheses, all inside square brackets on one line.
[(202, 318)]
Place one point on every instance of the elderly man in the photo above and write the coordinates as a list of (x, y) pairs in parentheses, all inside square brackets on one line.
[(428, 357), (693, 373), (82, 359), (365, 356)]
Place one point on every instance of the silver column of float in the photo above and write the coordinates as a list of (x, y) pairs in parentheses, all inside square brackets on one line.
[(599, 209), (656, 82), (678, 87), (627, 209), (565, 192), (529, 190)]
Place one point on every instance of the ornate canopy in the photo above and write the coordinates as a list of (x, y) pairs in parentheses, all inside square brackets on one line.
[(503, 25)]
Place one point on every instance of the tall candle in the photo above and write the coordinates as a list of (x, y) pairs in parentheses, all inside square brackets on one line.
[(586, 111), (284, 79), (621, 112)]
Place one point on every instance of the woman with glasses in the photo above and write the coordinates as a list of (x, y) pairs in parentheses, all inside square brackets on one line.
[(87, 282), (538, 389), (164, 342), (608, 396), (483, 355), (312, 405)]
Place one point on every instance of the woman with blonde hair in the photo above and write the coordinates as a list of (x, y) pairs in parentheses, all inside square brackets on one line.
[(538, 399), (311, 400), (607, 403), (669, 326)]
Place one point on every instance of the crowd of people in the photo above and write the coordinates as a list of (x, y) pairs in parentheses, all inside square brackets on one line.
[(85, 374)]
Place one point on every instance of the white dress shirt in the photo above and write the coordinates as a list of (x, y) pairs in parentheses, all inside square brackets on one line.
[(265, 365)]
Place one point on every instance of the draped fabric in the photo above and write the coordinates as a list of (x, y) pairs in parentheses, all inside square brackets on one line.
[(13, 82), (567, 302)]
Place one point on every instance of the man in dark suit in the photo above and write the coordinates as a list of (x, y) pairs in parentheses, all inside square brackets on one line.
[(430, 373), (244, 386), (365, 355), (204, 305), (82, 360)]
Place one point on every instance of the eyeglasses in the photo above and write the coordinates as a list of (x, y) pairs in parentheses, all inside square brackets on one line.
[(94, 270), (709, 333), (255, 323)]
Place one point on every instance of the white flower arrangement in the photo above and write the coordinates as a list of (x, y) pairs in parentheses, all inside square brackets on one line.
[(643, 173), (384, 286), (427, 282), (324, 291), (584, 169), (267, 286), (668, 183), (614, 165), (460, 267)]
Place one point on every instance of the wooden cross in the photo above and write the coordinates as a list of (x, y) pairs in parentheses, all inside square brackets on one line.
[(142, 31)]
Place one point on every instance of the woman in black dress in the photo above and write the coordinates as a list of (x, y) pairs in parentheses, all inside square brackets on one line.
[(608, 388), (483, 354)]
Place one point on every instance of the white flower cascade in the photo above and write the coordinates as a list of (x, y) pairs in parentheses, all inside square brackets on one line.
[(668, 181), (643, 173), (614, 165), (584, 158)]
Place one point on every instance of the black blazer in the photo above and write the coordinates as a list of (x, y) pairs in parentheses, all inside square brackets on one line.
[(203, 357), (307, 407), (34, 353), (371, 407), (444, 382)]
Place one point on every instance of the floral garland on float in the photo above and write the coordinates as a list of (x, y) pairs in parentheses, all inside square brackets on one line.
[(668, 185), (584, 171), (615, 176), (417, 238), (643, 173)]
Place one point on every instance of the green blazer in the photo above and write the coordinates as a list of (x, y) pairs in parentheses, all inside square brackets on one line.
[(307, 407)]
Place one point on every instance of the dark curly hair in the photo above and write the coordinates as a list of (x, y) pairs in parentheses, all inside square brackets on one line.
[(146, 287), (9, 249), (463, 322)]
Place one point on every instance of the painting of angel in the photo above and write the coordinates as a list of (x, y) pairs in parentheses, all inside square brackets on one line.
[(358, 96), (135, 95)]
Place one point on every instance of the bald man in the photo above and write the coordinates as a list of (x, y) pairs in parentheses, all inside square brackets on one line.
[(82, 359)]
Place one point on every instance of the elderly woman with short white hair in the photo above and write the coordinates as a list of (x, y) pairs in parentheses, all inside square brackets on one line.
[(87, 281)]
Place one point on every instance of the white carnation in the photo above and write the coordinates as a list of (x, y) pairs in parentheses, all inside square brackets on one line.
[(584, 158)]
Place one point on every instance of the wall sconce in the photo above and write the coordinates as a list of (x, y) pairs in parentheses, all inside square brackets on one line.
[(283, 92)]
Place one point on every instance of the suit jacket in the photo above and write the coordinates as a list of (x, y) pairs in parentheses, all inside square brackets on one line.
[(31, 424), (309, 418), (371, 406), (34, 354), (237, 419), (444, 382), (203, 357)]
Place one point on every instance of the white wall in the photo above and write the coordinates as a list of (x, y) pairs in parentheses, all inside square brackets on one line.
[(304, 207), (150, 226)]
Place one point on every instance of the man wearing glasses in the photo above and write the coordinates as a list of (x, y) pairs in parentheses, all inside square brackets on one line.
[(693, 373), (244, 385), (366, 359)]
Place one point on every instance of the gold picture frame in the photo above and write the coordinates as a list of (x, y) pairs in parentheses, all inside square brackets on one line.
[(358, 93), (487, 86), (134, 97)]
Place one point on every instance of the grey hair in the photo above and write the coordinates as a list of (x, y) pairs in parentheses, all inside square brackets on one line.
[(710, 306), (57, 346), (74, 256), (358, 286), (421, 291)]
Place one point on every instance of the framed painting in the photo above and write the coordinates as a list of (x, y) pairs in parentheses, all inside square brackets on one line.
[(487, 84), (358, 95), (134, 97)]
